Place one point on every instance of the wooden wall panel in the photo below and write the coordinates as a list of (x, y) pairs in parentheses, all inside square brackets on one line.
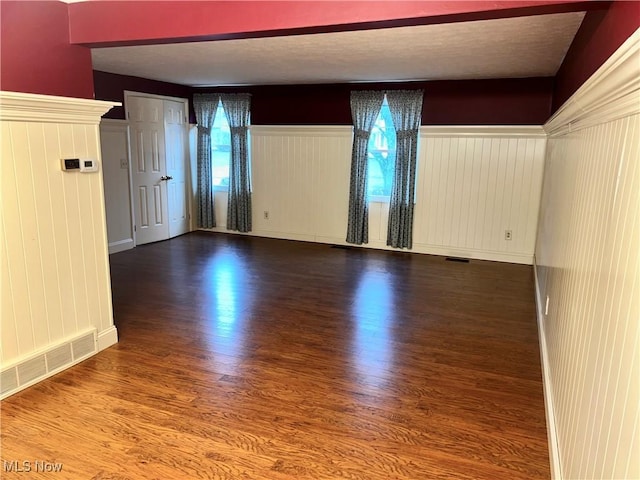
[(473, 187), (473, 184), (55, 272), (588, 274), (298, 179), (589, 267)]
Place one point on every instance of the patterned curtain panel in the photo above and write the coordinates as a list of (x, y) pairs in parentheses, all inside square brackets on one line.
[(365, 106), (205, 106), (236, 107), (406, 111)]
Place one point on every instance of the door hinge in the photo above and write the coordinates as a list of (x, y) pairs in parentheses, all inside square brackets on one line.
[(135, 228)]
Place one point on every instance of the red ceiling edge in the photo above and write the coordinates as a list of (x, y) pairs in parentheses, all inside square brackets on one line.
[(113, 23)]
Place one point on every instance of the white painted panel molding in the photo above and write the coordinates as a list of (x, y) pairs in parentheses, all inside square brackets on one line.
[(474, 183), (53, 240), (588, 273)]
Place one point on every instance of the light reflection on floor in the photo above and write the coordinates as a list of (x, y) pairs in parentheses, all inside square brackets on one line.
[(227, 308), (373, 315)]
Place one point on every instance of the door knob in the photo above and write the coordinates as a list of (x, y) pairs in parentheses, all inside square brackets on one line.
[(164, 178)]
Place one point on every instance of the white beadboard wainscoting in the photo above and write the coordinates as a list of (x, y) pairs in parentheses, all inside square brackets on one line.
[(588, 275), (56, 291), (473, 184)]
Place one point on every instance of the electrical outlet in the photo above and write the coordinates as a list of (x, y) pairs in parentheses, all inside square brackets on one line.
[(124, 163), (507, 235), (266, 214)]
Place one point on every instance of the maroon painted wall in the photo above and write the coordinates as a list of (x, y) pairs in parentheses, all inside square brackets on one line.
[(601, 33), (110, 86), (525, 101), (35, 53)]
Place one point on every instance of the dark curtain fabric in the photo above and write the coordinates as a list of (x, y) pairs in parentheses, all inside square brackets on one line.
[(205, 106), (237, 108), (365, 107), (406, 111)]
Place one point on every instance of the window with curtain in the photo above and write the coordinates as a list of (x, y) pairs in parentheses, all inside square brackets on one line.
[(383, 161), (381, 156), (220, 149), (406, 111), (237, 107)]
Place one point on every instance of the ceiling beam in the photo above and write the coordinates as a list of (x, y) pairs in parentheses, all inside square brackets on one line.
[(117, 23)]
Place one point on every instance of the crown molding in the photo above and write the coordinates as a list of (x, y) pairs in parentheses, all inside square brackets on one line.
[(612, 92), (30, 107)]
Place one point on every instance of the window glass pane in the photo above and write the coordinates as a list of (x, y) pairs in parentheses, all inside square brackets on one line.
[(381, 154), (220, 148)]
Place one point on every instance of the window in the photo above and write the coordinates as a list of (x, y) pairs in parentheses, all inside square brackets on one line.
[(381, 155), (220, 148)]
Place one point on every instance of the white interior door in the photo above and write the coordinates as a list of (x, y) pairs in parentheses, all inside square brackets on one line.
[(148, 169), (175, 131)]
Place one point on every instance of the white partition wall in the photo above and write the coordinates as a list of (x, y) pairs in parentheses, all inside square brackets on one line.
[(114, 139), (56, 292), (474, 183), (588, 275)]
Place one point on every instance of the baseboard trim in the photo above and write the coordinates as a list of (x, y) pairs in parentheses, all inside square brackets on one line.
[(489, 255), (107, 338), (421, 248), (121, 245), (552, 436)]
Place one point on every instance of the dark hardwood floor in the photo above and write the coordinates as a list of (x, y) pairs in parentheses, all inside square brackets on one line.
[(250, 358)]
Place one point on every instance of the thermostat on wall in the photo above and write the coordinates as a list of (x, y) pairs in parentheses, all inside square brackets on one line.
[(88, 165), (79, 164)]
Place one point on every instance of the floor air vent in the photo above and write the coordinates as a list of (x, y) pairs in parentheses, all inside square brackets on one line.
[(457, 259), (57, 358), (8, 381), (32, 369), (83, 346), (342, 247)]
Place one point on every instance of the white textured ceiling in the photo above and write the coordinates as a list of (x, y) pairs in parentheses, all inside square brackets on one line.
[(503, 48)]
